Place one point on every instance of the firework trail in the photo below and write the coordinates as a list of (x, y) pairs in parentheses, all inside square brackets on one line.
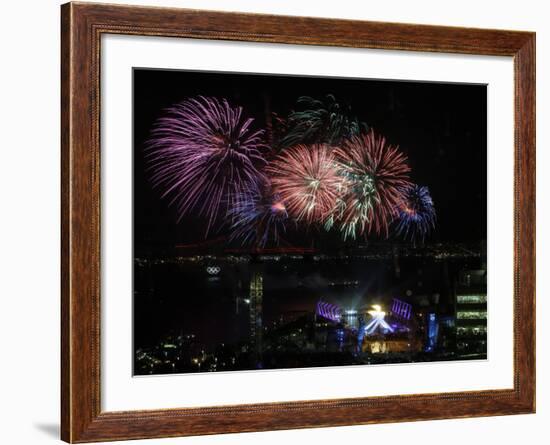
[(258, 219), (320, 121), (376, 177), (203, 155), (416, 214), (306, 178)]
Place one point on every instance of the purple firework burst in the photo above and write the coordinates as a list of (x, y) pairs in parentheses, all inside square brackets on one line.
[(416, 214), (258, 219), (203, 155)]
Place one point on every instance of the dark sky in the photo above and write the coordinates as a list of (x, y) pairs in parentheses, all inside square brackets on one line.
[(441, 127)]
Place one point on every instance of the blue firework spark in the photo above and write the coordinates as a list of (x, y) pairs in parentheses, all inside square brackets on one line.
[(416, 214), (258, 219)]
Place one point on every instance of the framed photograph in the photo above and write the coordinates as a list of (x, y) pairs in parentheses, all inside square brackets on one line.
[(276, 222)]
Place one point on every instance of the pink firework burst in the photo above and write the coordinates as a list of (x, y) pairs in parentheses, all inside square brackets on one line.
[(376, 179), (203, 156), (306, 179)]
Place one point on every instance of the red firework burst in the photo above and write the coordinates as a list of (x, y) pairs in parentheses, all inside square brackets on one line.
[(377, 177), (306, 178)]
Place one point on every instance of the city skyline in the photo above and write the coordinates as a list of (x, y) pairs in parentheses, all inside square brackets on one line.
[(286, 221)]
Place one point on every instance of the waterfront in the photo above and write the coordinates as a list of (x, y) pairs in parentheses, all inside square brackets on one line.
[(199, 312)]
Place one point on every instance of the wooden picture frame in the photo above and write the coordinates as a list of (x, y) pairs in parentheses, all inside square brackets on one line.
[(82, 26)]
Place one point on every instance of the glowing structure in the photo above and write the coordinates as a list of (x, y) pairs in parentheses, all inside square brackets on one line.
[(375, 176), (377, 322), (471, 311), (203, 155), (433, 329), (329, 311), (416, 214), (360, 334), (351, 318), (306, 178), (213, 273), (258, 220), (340, 338), (213, 270), (400, 309), (255, 304)]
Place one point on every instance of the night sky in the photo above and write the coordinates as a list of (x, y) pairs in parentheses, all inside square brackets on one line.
[(440, 126)]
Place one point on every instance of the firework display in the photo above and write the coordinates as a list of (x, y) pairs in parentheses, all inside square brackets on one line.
[(306, 177), (416, 214), (297, 221), (258, 219), (206, 158), (321, 121), (204, 155), (376, 178)]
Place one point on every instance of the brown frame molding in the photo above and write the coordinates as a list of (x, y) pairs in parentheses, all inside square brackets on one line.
[(82, 25)]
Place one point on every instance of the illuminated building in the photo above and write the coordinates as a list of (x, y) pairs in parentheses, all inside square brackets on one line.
[(386, 345), (351, 318), (471, 312), (433, 331), (255, 303)]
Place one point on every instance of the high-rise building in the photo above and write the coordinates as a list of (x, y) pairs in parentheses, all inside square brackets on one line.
[(256, 328), (471, 312)]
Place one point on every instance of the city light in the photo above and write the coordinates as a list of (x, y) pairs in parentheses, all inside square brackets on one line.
[(471, 299), (329, 311), (472, 315), (400, 309), (213, 270), (358, 332), (433, 330), (377, 321)]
